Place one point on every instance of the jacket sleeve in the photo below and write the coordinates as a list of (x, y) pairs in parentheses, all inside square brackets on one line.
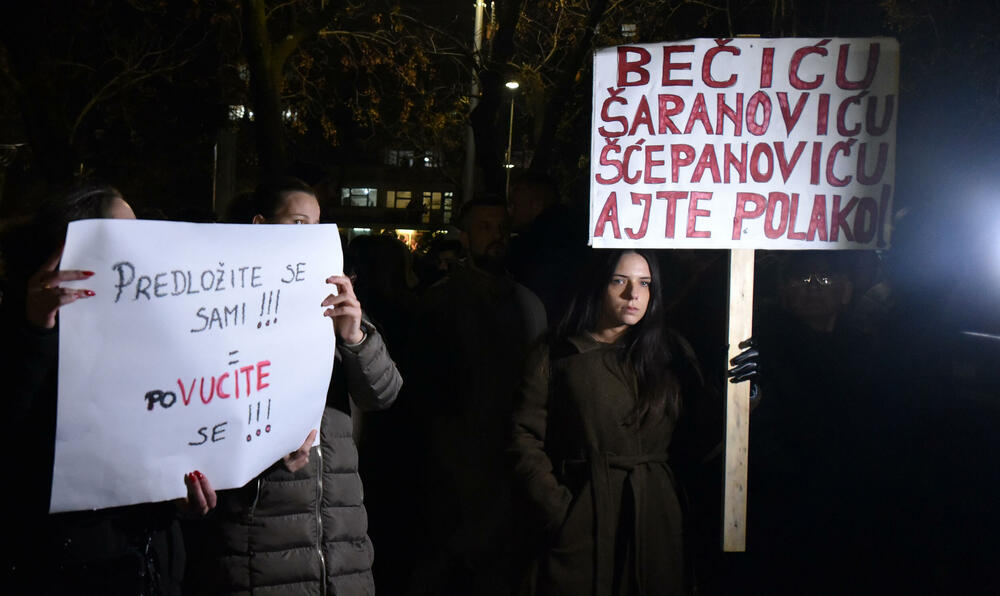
[(29, 367), (372, 378), (532, 466)]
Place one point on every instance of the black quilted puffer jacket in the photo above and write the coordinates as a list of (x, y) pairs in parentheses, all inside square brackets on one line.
[(306, 532)]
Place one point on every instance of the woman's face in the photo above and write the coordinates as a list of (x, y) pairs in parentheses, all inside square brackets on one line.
[(297, 207), (627, 295)]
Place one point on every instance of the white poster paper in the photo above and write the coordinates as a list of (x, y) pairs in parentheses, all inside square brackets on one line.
[(204, 348), (744, 143)]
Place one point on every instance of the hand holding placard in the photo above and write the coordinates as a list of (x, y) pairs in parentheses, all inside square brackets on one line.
[(344, 309), (45, 296), (299, 458), (201, 496)]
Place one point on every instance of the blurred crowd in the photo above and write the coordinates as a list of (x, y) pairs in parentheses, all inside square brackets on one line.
[(865, 467)]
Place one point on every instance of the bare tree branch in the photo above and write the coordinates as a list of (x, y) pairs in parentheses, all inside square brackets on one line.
[(135, 69)]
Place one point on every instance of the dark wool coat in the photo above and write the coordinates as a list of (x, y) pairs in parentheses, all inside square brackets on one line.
[(603, 490), (306, 532)]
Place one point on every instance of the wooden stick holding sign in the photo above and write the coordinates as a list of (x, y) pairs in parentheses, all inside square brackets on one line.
[(740, 327)]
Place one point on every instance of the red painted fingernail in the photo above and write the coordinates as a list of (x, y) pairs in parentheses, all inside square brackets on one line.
[(88, 273), (198, 474), (88, 292)]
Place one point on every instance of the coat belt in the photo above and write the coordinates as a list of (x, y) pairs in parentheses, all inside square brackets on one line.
[(635, 468)]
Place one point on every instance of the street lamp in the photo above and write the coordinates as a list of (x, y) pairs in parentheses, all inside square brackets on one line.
[(512, 86)]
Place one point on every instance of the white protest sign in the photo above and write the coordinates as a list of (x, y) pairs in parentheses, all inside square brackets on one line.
[(744, 143), (204, 349)]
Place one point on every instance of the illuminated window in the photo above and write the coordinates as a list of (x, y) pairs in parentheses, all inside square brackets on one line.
[(359, 197), (399, 158), (403, 158), (398, 199), (446, 205), (409, 237), (437, 206)]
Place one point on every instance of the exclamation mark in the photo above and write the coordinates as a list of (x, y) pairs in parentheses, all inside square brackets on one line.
[(267, 299), (253, 416), (258, 417)]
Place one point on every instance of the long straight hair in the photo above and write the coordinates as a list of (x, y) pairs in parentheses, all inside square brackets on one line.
[(649, 349)]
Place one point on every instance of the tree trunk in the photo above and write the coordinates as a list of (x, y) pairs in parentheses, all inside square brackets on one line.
[(265, 91), (484, 119)]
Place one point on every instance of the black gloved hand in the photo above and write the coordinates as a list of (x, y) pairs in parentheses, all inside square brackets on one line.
[(746, 367)]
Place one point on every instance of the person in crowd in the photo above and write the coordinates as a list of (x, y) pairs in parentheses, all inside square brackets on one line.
[(594, 427), (549, 244), (530, 196), (433, 266), (819, 440), (380, 266), (471, 334), (301, 525), (131, 550), (241, 209)]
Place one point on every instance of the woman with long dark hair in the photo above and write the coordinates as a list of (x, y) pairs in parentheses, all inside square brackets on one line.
[(598, 408), (136, 549)]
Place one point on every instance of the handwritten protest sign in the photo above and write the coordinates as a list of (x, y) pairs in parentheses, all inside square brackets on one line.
[(204, 348), (744, 143)]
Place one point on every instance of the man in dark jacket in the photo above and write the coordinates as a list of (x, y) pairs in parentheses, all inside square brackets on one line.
[(471, 334), (815, 439), (549, 244)]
